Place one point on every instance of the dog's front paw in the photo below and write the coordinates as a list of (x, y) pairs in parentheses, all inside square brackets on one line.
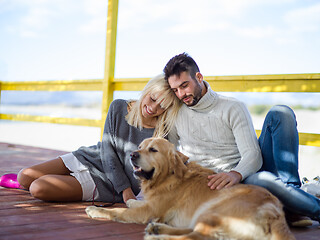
[(95, 212), (132, 203), (91, 211), (157, 237)]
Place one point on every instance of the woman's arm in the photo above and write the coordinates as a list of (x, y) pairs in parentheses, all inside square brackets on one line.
[(128, 194)]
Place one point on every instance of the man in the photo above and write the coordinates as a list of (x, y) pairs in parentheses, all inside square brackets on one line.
[(218, 133)]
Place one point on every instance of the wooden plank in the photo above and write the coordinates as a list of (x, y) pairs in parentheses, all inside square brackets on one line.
[(9, 199), (39, 217), (23, 217), (78, 231), (9, 192), (310, 233), (14, 157), (43, 227)]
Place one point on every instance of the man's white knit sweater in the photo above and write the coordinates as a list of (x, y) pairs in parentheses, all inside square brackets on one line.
[(218, 134)]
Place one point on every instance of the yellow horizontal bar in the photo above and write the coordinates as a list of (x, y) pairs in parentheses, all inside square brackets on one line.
[(243, 83), (56, 120), (302, 76), (308, 139), (266, 83), (125, 84), (265, 86), (58, 85), (241, 86), (130, 84)]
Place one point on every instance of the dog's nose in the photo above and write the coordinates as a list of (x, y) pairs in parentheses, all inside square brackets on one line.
[(134, 155)]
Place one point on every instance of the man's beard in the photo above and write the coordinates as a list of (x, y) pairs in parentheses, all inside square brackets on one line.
[(197, 96)]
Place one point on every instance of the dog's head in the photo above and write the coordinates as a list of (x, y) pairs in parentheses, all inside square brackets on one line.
[(156, 157)]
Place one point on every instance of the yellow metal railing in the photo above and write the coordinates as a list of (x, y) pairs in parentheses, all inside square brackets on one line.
[(109, 84), (248, 83)]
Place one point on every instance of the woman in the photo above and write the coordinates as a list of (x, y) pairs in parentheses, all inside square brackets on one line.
[(103, 172)]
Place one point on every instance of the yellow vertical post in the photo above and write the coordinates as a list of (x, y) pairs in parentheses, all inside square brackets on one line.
[(110, 57), (0, 96)]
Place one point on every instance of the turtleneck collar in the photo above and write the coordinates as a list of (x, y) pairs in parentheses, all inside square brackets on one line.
[(207, 102)]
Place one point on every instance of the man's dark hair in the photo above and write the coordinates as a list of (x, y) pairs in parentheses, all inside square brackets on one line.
[(181, 63)]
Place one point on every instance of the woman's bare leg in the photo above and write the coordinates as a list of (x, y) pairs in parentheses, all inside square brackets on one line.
[(51, 181), (27, 175), (57, 188)]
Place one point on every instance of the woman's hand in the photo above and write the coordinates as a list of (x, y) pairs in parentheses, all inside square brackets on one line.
[(224, 180), (128, 194)]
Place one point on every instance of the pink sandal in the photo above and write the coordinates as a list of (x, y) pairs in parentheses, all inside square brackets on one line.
[(9, 181)]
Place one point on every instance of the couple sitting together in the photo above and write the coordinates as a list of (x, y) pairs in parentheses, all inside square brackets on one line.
[(211, 129)]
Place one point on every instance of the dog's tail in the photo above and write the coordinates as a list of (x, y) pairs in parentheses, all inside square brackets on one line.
[(275, 224)]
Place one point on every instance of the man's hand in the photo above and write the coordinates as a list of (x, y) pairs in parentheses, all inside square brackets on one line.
[(128, 194), (224, 180)]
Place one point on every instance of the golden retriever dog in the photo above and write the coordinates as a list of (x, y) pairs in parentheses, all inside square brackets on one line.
[(180, 205)]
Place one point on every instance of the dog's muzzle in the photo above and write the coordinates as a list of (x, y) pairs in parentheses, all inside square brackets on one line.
[(134, 157), (138, 171)]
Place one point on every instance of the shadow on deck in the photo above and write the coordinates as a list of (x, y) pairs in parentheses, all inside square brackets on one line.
[(23, 217)]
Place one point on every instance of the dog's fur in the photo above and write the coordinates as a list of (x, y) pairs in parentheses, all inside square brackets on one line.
[(181, 205)]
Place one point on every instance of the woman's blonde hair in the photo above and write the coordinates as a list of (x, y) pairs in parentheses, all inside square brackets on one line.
[(167, 100)]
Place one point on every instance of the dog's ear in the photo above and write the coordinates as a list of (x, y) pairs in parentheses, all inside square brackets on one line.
[(183, 158), (179, 165)]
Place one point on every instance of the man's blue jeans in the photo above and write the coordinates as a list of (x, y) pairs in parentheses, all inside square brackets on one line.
[(279, 143)]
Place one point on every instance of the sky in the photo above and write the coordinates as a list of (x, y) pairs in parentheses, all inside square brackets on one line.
[(65, 39)]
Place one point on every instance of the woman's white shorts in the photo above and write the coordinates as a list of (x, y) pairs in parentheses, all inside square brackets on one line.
[(82, 174)]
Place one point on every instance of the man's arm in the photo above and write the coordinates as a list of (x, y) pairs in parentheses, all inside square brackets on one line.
[(247, 143)]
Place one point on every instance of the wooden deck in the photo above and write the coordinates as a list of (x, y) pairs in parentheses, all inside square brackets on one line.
[(23, 217)]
